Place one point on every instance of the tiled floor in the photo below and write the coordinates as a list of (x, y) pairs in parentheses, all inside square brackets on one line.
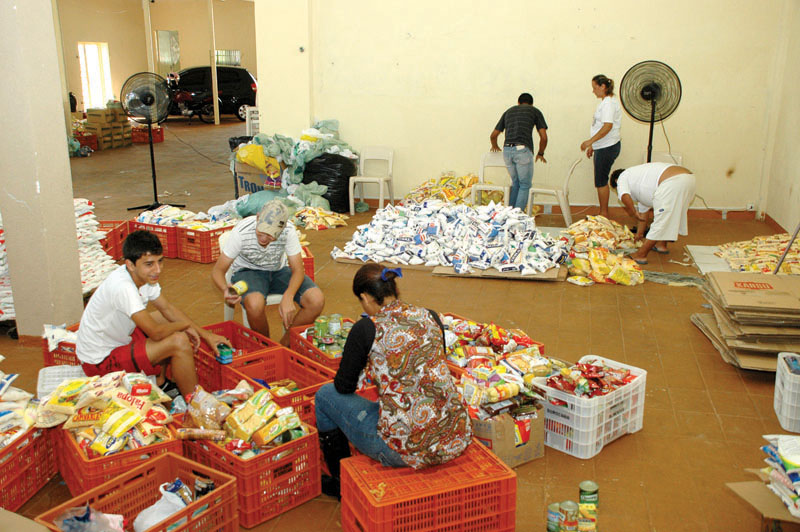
[(703, 418)]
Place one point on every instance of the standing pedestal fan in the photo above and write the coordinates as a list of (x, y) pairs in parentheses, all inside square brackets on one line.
[(650, 91), (145, 99)]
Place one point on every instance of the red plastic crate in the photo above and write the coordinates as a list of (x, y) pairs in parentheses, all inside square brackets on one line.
[(82, 474), (308, 262), (85, 139), (282, 363), (199, 246), (116, 231), (270, 483), (133, 491), (26, 465), (307, 349), (140, 135), (63, 355), (475, 492), (168, 235)]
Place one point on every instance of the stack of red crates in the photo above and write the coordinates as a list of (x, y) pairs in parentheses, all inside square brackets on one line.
[(199, 246), (63, 354), (26, 465), (86, 139), (168, 235), (246, 343), (116, 231), (476, 491), (139, 135)]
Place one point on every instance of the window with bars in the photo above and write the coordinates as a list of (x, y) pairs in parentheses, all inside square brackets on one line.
[(95, 74), (229, 57)]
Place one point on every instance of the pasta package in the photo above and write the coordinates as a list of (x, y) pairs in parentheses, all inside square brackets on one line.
[(85, 416), (105, 444), (116, 420)]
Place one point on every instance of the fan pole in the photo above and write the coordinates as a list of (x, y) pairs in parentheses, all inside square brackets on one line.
[(153, 159), (650, 138)]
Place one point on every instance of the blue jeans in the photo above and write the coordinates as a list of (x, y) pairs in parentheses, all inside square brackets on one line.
[(520, 168), (358, 419)]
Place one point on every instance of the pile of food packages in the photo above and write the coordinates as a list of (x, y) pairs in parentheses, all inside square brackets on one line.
[(761, 254), (105, 415), (17, 411), (599, 231), (783, 469), (599, 265), (435, 233), (168, 215), (329, 334), (243, 421), (590, 380), (448, 188), (318, 219)]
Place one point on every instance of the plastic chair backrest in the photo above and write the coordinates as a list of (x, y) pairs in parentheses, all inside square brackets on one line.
[(569, 175), (490, 159), (376, 153)]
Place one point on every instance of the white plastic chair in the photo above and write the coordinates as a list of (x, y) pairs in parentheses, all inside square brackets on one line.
[(227, 310), (490, 159), (372, 153), (561, 194)]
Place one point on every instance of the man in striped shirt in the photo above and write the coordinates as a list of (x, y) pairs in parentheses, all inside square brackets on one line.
[(518, 123), (264, 252)]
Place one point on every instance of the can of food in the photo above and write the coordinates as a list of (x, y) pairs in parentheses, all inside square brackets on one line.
[(334, 324), (240, 287), (335, 351), (328, 339), (553, 517), (310, 334), (321, 327), (346, 326), (589, 493), (569, 516)]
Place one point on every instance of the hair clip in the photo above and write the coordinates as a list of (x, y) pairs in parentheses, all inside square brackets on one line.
[(397, 271)]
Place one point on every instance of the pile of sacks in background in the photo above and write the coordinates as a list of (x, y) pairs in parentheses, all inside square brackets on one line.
[(761, 254), (96, 264), (592, 259), (435, 233), (170, 216)]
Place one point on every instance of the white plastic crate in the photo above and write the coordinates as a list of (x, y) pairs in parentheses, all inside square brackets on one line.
[(787, 394), (51, 376), (583, 425)]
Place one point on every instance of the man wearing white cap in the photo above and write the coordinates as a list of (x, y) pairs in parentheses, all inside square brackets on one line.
[(265, 253), (663, 188)]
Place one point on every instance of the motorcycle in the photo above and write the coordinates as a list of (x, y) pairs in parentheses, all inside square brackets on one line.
[(186, 103)]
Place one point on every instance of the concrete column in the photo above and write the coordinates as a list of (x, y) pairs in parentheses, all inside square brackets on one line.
[(35, 178), (285, 65), (148, 36), (212, 60)]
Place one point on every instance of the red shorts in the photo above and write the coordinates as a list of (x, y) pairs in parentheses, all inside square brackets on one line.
[(131, 358)]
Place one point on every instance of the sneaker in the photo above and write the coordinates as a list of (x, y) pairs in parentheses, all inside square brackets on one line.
[(170, 389)]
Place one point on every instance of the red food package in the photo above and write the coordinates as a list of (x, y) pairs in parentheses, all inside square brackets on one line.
[(141, 388)]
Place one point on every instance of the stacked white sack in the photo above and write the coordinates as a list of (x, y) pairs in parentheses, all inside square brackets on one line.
[(436, 233), (95, 263)]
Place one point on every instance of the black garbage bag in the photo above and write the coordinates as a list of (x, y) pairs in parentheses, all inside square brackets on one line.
[(334, 172), (234, 142)]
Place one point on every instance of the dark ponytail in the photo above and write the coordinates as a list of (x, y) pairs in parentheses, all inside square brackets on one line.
[(615, 177), (377, 281), (603, 81)]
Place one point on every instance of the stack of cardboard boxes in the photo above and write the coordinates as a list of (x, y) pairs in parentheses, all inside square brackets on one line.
[(111, 127)]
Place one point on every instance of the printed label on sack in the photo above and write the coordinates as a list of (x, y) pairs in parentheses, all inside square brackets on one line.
[(750, 285)]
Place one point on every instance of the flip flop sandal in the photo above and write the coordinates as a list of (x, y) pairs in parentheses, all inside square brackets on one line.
[(641, 262), (662, 251)]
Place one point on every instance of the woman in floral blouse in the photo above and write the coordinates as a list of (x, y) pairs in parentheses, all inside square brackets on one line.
[(418, 420)]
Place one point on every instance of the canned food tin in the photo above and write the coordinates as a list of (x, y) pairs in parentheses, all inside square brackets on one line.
[(328, 340), (321, 327), (569, 512), (240, 287), (335, 351), (589, 493), (553, 517), (334, 324)]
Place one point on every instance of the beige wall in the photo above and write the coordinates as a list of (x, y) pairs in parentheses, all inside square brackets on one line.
[(120, 23), (783, 197), (432, 78), (233, 23)]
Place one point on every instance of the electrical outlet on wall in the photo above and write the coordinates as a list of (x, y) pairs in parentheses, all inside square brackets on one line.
[(751, 206)]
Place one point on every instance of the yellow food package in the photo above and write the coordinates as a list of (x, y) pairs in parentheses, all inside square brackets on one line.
[(281, 391), (116, 420), (580, 280), (579, 267), (267, 410), (242, 413), (253, 154), (64, 399), (598, 260), (139, 404), (106, 444), (268, 432), (148, 429), (260, 398), (620, 275), (83, 417)]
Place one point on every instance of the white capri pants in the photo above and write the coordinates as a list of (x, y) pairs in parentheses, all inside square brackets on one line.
[(670, 203)]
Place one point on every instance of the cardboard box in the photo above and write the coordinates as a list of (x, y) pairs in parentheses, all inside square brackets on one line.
[(101, 130), (99, 116), (250, 179), (118, 114), (12, 521), (514, 442), (116, 130), (758, 495)]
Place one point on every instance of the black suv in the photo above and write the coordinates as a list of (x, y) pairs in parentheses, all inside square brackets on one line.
[(236, 86)]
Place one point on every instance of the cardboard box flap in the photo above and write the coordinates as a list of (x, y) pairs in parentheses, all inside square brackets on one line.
[(758, 495), (12, 521), (749, 291)]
